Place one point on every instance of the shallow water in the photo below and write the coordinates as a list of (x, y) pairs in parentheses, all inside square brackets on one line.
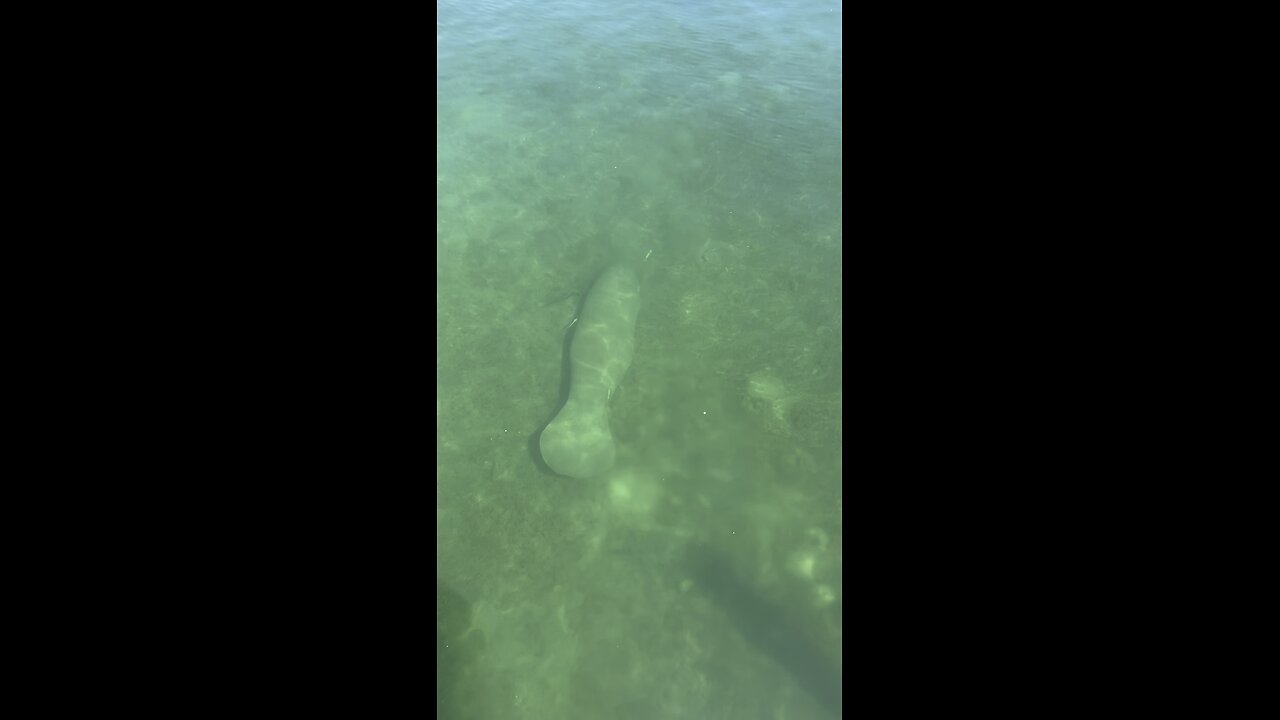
[(706, 138)]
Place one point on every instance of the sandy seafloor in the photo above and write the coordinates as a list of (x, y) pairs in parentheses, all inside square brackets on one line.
[(701, 577)]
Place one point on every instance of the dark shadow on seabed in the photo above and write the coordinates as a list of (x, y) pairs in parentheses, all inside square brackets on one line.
[(461, 687), (566, 366), (767, 626)]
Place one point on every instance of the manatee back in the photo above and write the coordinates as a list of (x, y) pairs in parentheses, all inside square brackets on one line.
[(578, 441), (604, 340)]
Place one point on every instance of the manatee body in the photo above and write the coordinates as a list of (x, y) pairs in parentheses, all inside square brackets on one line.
[(577, 442)]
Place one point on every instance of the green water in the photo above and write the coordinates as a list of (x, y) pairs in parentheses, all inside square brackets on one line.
[(702, 576)]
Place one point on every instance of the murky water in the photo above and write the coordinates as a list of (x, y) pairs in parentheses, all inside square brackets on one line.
[(702, 576)]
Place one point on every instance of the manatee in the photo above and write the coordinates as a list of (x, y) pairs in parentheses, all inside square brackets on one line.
[(577, 442)]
